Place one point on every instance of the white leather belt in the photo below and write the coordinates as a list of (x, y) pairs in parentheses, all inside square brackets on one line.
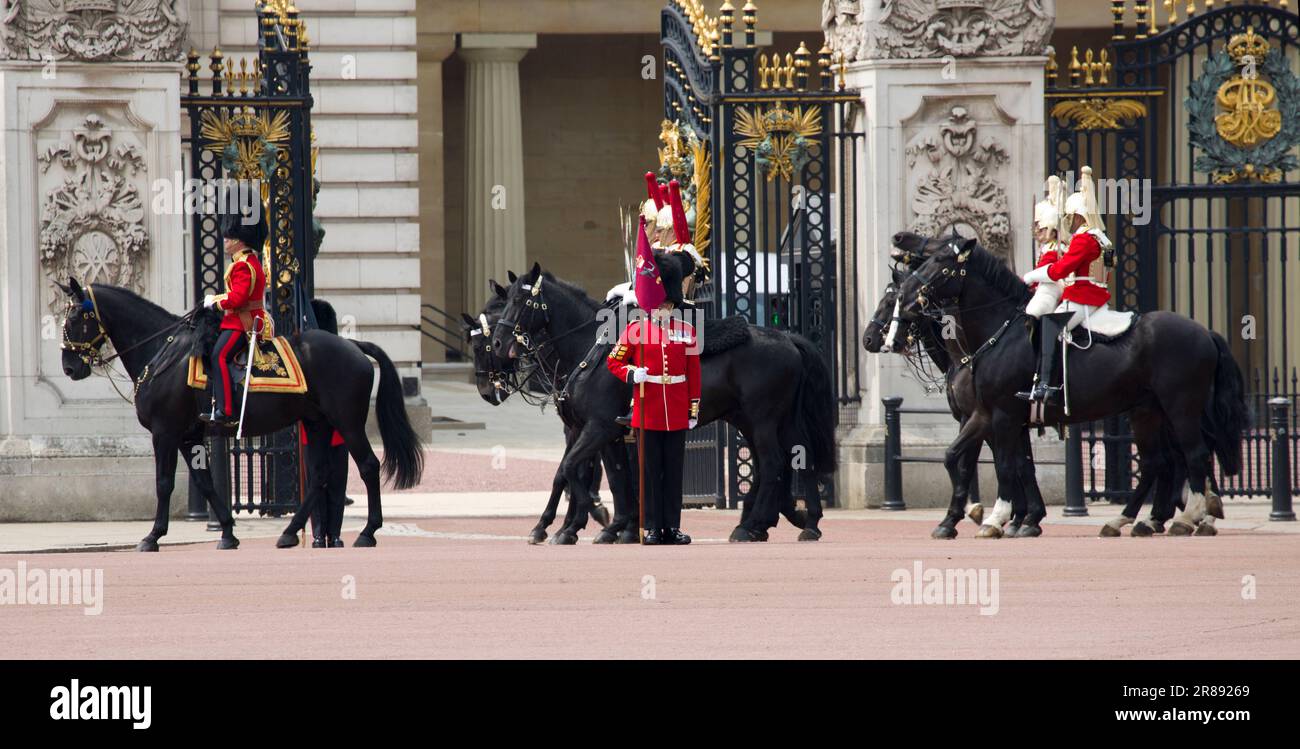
[(665, 379)]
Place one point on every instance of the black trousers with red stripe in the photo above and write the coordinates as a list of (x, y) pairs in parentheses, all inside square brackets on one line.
[(229, 343), (327, 512), (665, 455)]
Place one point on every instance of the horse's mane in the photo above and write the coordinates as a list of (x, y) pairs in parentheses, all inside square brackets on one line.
[(572, 288), (149, 307), (992, 269)]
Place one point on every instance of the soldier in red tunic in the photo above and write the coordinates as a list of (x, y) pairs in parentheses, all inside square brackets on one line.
[(1083, 273), (660, 359), (241, 305)]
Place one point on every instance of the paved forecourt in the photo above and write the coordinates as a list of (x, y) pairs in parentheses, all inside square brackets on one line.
[(471, 587)]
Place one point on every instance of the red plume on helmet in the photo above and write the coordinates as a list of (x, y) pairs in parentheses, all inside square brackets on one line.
[(680, 228), (652, 190)]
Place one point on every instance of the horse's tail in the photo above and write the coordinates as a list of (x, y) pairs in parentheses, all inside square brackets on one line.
[(815, 403), (403, 453), (1227, 415)]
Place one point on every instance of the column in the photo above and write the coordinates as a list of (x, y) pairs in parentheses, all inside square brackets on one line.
[(433, 49), (494, 159)]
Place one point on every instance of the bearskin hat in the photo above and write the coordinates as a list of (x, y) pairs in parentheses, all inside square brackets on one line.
[(252, 233), (674, 267)]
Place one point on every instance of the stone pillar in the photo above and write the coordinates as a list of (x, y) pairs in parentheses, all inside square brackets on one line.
[(955, 138), (89, 139), (494, 159), (432, 49)]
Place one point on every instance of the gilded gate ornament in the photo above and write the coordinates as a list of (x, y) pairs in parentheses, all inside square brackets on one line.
[(779, 137), (1259, 95), (1099, 113)]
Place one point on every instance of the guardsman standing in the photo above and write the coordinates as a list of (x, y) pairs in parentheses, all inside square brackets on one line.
[(660, 359), (1083, 272), (241, 305)]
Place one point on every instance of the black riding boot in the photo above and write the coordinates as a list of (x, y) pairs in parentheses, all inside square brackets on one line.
[(1049, 330)]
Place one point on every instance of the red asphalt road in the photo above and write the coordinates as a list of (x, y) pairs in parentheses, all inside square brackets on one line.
[(471, 594)]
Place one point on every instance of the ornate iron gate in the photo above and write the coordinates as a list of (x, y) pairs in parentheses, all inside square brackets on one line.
[(1200, 121), (254, 124), (772, 153)]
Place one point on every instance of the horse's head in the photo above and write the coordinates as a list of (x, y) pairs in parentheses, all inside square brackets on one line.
[(83, 332), (526, 314), (490, 370), (873, 338), (938, 279), (912, 249)]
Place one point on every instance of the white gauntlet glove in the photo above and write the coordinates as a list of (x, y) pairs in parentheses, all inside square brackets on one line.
[(1037, 275), (210, 301), (639, 375)]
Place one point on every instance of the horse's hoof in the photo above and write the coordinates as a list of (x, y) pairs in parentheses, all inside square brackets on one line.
[(286, 541), (606, 536), (1205, 529), (600, 514), (365, 541), (1011, 530), (537, 536), (629, 536), (989, 531), (1140, 530), (976, 514), (1214, 505), (742, 535), (147, 544), (1029, 530), (1179, 528), (810, 534), (228, 543), (564, 538), (1157, 526), (943, 532), (1109, 531)]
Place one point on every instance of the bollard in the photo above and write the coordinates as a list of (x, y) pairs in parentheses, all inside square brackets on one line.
[(1279, 423), (1075, 507), (893, 449)]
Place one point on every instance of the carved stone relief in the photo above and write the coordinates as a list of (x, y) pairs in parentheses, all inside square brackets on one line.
[(910, 29), (91, 30), (955, 178), (92, 215)]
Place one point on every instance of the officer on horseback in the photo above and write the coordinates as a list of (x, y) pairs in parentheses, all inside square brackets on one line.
[(1082, 272), (241, 305)]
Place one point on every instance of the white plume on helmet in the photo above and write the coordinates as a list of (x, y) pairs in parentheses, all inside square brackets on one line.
[(1047, 212)]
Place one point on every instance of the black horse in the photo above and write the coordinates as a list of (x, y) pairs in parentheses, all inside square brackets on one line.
[(1161, 472), (154, 346), (771, 385), (1166, 372), (1161, 475), (496, 379)]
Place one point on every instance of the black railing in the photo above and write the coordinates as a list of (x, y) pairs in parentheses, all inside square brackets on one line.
[(894, 458), (452, 342)]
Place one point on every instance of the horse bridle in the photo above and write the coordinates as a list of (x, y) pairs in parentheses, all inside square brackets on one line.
[(534, 350), (89, 352)]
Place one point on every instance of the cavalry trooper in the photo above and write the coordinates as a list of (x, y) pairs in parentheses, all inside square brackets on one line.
[(241, 304), (659, 358), (1083, 273)]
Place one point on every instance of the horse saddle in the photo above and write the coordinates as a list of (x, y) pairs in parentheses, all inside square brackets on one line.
[(1105, 325), (275, 369)]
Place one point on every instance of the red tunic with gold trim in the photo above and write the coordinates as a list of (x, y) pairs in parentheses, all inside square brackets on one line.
[(1083, 254), (672, 361), (245, 287)]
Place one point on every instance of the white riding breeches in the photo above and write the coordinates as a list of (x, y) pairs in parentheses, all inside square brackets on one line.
[(1081, 312), (1046, 298)]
